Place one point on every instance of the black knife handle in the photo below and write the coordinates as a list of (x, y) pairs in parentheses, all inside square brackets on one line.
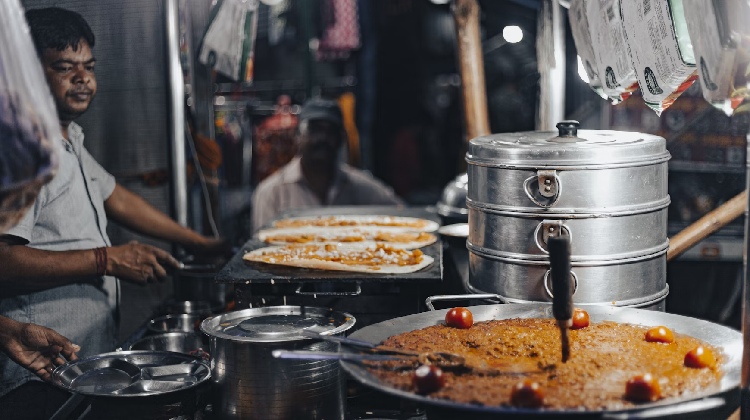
[(559, 262)]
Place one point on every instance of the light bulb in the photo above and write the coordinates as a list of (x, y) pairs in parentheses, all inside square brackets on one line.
[(512, 34)]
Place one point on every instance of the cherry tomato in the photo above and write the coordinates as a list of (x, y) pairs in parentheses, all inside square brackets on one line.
[(428, 379), (459, 318), (643, 388), (699, 358), (527, 394), (659, 335), (580, 319)]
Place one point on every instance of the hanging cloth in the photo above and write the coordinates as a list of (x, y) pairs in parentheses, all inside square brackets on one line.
[(340, 30)]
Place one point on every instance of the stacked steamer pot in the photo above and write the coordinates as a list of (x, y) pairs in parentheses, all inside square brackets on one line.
[(606, 189)]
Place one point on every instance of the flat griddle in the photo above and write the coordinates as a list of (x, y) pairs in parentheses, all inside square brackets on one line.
[(714, 404), (239, 271)]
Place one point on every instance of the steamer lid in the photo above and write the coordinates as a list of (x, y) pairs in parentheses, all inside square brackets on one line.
[(567, 148)]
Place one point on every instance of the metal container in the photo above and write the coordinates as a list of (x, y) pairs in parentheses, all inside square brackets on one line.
[(606, 190), (176, 323), (452, 204), (252, 384), (172, 307), (180, 342), (638, 283), (195, 282)]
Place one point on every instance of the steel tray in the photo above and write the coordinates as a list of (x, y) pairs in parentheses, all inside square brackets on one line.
[(132, 374), (239, 271)]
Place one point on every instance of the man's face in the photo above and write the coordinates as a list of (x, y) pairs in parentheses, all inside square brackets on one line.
[(70, 74), (319, 140)]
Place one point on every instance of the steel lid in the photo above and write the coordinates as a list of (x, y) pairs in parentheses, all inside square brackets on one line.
[(276, 324), (567, 148)]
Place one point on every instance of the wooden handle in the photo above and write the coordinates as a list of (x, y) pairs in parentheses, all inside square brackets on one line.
[(471, 66), (706, 225)]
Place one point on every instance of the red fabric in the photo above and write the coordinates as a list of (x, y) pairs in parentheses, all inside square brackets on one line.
[(274, 141), (342, 35)]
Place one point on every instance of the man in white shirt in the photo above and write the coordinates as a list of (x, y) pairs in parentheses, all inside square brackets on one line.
[(315, 177)]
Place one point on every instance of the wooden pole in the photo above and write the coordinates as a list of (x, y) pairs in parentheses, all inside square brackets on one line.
[(471, 66), (706, 225)]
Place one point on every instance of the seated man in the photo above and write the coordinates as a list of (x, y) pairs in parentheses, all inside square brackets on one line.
[(315, 177), (59, 269)]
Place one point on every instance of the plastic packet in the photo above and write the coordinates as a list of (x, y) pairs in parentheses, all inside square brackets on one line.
[(579, 25), (29, 127), (618, 78), (717, 29), (228, 46), (660, 49)]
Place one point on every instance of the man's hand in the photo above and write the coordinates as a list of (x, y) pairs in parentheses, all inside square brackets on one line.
[(139, 263), (36, 348)]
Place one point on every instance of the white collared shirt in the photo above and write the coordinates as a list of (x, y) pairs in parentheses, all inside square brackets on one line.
[(287, 189)]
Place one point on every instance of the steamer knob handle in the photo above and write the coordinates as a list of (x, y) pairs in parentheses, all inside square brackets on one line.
[(568, 128)]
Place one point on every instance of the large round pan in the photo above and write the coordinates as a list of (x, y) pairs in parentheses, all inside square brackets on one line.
[(713, 404)]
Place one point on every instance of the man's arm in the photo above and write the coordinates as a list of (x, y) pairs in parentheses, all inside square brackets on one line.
[(28, 269), (133, 212)]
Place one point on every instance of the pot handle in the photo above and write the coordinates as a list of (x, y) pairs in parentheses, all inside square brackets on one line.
[(356, 292), (548, 289), (544, 188), (430, 306), (548, 228)]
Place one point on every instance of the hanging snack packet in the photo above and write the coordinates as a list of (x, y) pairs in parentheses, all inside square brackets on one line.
[(228, 46), (717, 28), (579, 25), (29, 128), (660, 48), (613, 64)]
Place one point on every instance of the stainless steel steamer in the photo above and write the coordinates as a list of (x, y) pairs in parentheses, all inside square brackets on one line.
[(252, 384), (606, 189)]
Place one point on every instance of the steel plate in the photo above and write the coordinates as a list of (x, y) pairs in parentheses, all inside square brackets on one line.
[(712, 404), (132, 374)]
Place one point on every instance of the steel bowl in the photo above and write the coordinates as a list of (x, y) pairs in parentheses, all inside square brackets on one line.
[(189, 323), (187, 307), (180, 342)]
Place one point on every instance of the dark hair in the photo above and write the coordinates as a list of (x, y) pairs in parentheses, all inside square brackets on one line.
[(58, 28)]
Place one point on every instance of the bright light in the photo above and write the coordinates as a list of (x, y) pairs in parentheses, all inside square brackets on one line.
[(512, 34), (582, 70), (440, 1), (270, 2)]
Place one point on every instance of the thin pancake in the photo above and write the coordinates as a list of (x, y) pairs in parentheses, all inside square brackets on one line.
[(362, 236), (412, 223), (381, 259)]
